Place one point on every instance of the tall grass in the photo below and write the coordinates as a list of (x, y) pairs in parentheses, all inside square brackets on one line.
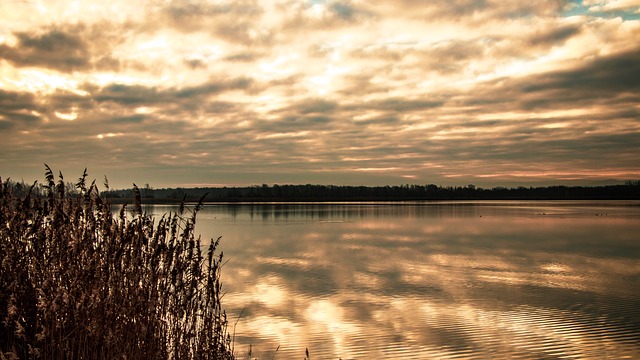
[(78, 283)]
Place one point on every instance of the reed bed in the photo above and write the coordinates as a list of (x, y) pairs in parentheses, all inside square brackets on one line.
[(77, 282)]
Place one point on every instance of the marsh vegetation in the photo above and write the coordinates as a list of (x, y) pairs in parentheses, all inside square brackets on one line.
[(78, 283)]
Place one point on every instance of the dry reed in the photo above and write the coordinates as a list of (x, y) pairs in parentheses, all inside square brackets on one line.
[(77, 282)]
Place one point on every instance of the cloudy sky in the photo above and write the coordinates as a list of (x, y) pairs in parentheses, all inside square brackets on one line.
[(193, 93)]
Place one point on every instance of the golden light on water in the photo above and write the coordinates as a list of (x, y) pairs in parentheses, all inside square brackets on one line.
[(446, 281)]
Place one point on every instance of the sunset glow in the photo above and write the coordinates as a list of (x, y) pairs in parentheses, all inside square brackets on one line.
[(346, 92)]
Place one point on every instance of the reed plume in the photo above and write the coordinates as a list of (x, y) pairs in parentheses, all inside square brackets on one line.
[(77, 282)]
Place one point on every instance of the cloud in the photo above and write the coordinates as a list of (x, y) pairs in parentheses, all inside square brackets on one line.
[(130, 119), (315, 90), (611, 5), (473, 11), (242, 57), (343, 10), (404, 105), (555, 37), (18, 110), (235, 22), (54, 48), (615, 73), (140, 95), (64, 101), (214, 87), (16, 101), (315, 106), (130, 95), (65, 48)]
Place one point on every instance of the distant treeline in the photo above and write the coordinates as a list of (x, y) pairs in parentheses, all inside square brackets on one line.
[(630, 190)]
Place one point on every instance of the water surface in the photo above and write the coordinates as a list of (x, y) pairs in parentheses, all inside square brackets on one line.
[(424, 280)]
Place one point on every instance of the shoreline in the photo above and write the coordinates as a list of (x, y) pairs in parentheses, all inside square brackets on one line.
[(390, 201)]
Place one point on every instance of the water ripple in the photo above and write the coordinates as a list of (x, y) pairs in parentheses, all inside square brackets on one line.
[(435, 284)]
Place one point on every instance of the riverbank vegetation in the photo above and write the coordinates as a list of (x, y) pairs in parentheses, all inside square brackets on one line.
[(77, 282), (628, 191)]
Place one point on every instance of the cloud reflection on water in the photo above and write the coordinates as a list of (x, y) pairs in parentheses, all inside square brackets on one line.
[(436, 282)]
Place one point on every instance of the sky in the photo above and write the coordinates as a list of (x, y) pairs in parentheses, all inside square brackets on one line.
[(344, 92)]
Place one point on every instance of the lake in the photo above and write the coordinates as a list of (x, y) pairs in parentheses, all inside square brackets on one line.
[(430, 280)]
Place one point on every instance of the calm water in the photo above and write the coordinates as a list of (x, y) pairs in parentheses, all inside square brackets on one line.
[(431, 280)]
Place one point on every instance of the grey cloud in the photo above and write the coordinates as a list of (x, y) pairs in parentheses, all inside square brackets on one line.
[(147, 95), (452, 50), (461, 7), (343, 10), (67, 47), (25, 118), (13, 100), (166, 134), (52, 49), (378, 52), (527, 142), (308, 114), (340, 14), (219, 107), (288, 86), (448, 8), (214, 87), (594, 151), (611, 81), (190, 13), (6, 125), (620, 114), (135, 143), (618, 73), (236, 22), (444, 57), (315, 106), (65, 100), (517, 9), (243, 32), (358, 84), (19, 118), (17, 108), (242, 57), (289, 123), (404, 105), (452, 56), (472, 11), (196, 64), (186, 14), (382, 120), (293, 123), (27, 109), (555, 36), (130, 119), (130, 94), (313, 115), (197, 125)]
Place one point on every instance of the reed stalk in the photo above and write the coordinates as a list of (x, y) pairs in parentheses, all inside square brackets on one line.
[(77, 282)]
